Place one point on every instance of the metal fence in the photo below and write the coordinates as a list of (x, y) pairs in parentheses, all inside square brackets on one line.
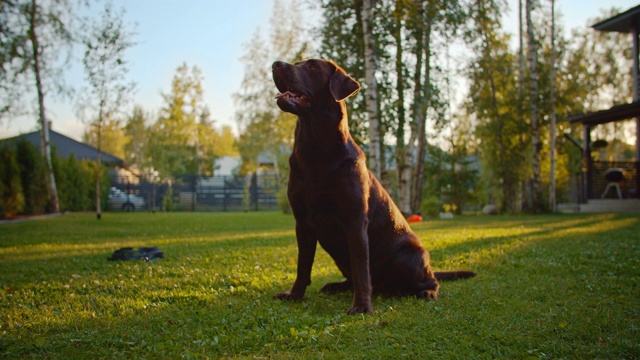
[(191, 193)]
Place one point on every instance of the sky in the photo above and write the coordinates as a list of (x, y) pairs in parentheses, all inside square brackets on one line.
[(212, 34)]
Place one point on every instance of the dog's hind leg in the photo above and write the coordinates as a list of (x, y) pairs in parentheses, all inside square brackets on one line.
[(337, 287), (428, 286), (430, 293)]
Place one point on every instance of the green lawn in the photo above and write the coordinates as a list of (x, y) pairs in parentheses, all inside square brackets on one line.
[(553, 286)]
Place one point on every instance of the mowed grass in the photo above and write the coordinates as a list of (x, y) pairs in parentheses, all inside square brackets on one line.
[(553, 286)]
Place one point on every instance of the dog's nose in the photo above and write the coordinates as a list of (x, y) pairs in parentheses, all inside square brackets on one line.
[(278, 65)]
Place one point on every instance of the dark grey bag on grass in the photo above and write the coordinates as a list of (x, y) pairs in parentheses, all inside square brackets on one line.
[(143, 253)]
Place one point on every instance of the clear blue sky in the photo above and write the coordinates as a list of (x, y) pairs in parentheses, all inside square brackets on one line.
[(211, 34)]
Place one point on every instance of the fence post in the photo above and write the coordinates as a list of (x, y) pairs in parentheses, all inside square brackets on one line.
[(224, 193), (254, 189), (193, 193), (128, 207)]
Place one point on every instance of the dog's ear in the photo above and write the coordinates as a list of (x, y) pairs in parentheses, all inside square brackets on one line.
[(342, 85)]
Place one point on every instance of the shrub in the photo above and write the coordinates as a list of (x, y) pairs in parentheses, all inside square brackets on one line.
[(167, 199), (76, 181), (33, 177), (283, 201), (11, 195), (431, 206)]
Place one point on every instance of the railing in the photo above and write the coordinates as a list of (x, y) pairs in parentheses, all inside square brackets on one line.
[(219, 193), (628, 186)]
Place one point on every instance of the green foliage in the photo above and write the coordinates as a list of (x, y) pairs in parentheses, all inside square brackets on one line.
[(30, 30), (431, 206), (105, 43), (591, 73), (283, 201), (23, 185), (547, 287), (11, 195), (182, 140), (32, 175), (76, 180), (112, 138), (135, 131), (73, 187), (167, 199), (343, 41), (263, 127), (451, 177)]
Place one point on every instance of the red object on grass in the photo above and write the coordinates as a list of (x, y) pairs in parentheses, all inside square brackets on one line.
[(414, 218)]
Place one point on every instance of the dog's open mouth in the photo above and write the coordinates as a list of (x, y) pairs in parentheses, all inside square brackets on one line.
[(292, 98)]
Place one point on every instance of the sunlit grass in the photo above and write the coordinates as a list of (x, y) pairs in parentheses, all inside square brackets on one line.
[(547, 287)]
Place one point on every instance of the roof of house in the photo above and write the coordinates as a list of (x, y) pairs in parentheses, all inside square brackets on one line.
[(623, 22), (65, 146)]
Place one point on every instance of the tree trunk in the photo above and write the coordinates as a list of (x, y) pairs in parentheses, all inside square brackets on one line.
[(517, 203), (98, 164), (405, 169), (420, 117), (552, 151), (45, 144), (536, 145), (404, 200), (375, 138)]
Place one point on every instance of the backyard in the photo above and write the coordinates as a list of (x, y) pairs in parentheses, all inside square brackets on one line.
[(548, 286)]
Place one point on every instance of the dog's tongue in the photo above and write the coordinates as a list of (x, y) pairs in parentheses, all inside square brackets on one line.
[(293, 99)]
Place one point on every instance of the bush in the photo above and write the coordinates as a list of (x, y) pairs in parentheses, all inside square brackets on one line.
[(23, 181), (167, 199), (33, 177), (283, 201), (11, 195), (431, 206), (76, 182)]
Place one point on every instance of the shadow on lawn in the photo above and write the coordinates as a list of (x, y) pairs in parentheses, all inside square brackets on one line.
[(514, 234), (171, 246)]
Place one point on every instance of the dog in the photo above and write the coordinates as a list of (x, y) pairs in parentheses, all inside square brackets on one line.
[(337, 201)]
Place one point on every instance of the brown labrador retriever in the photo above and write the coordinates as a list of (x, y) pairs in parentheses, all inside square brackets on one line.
[(338, 202)]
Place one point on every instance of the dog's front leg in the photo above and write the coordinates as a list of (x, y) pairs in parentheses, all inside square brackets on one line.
[(359, 251), (306, 254)]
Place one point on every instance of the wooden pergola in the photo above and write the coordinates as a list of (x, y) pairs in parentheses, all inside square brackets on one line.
[(626, 22)]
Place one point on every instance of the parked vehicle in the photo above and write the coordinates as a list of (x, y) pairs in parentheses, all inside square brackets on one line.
[(127, 202)]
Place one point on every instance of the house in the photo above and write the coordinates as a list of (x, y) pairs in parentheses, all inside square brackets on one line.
[(226, 165), (596, 178), (65, 146)]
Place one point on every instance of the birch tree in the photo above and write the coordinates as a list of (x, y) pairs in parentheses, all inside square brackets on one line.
[(105, 43), (263, 127), (47, 32), (376, 163), (534, 191), (552, 95)]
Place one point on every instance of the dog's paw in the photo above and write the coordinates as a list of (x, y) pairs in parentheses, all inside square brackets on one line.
[(360, 309), (336, 287), (288, 295), (428, 294)]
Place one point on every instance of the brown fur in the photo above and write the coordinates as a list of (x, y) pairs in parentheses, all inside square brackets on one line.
[(338, 202)]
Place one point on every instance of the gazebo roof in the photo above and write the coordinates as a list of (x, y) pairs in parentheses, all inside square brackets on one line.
[(616, 113), (622, 22)]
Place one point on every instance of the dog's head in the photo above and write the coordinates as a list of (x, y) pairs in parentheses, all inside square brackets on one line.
[(308, 84)]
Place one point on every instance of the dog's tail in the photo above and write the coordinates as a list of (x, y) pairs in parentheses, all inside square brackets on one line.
[(453, 275)]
